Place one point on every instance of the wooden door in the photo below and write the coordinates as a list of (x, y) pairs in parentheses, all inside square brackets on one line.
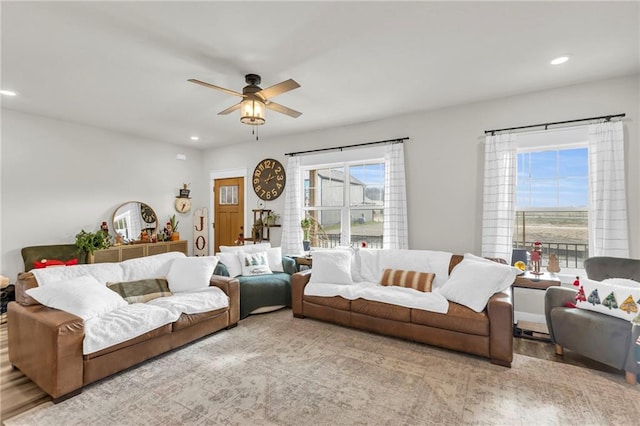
[(228, 195)]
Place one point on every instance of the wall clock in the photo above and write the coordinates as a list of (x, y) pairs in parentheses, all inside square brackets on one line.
[(147, 213), (183, 205), (269, 179)]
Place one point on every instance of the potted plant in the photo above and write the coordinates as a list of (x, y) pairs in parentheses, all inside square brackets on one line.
[(175, 235), (89, 242), (272, 218), (305, 224)]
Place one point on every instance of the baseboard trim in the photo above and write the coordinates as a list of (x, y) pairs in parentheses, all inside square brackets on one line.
[(527, 316)]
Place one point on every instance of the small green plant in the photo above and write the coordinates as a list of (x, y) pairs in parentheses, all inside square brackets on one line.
[(174, 223), (305, 224), (90, 242), (272, 218)]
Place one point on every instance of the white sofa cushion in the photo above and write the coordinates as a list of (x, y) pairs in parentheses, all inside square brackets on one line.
[(193, 302), (83, 296), (331, 267), (474, 280), (120, 325), (400, 296), (232, 262), (191, 273), (248, 248), (155, 266), (102, 272), (373, 262)]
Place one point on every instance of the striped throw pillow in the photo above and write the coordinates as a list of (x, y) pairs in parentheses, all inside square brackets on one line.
[(420, 281), (141, 291)]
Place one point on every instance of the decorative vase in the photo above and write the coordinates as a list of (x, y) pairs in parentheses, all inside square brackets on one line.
[(175, 236), (306, 245)]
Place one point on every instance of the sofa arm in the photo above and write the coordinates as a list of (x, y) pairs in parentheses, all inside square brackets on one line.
[(556, 297), (289, 265), (298, 281), (26, 281), (500, 312), (46, 345), (231, 287)]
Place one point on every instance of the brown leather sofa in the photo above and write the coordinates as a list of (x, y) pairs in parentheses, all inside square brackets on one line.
[(46, 344), (488, 334)]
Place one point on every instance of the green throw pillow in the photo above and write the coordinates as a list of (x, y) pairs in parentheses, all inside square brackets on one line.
[(141, 291)]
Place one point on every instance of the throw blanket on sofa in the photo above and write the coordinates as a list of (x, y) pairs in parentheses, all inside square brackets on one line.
[(407, 297), (129, 270)]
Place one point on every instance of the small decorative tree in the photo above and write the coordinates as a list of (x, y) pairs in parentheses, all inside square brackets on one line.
[(554, 264)]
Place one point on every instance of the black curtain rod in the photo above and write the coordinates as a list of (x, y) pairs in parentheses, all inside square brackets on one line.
[(546, 125), (335, 148)]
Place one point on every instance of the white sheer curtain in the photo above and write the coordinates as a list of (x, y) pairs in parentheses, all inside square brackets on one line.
[(608, 233), (395, 234), (499, 202), (291, 231)]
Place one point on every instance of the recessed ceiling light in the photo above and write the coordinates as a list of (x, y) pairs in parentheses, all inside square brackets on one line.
[(195, 138), (7, 93), (560, 60)]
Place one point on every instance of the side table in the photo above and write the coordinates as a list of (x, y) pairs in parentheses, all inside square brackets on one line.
[(529, 280), (303, 262)]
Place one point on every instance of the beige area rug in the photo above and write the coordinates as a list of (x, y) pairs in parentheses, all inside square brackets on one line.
[(276, 369)]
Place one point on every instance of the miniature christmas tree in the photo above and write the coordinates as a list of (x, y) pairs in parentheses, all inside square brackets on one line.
[(554, 264), (593, 298), (610, 301), (580, 297), (629, 305)]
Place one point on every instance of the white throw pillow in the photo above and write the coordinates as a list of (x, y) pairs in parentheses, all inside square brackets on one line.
[(191, 273), (620, 301), (331, 267), (474, 280), (83, 296), (274, 255), (231, 261), (254, 263), (248, 248)]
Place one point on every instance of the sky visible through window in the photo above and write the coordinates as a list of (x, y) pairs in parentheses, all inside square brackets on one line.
[(553, 179)]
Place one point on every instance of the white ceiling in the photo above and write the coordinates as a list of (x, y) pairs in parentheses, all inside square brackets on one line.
[(124, 65)]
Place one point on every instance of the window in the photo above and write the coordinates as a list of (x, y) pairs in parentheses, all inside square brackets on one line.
[(345, 203), (552, 195)]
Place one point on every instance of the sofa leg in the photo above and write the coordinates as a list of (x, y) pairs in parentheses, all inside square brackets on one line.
[(298, 316), (232, 326), (632, 378), (559, 350)]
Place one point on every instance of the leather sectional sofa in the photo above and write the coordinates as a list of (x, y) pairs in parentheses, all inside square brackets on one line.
[(46, 344), (488, 333)]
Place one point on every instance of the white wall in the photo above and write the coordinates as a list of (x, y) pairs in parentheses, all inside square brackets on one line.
[(444, 158), (59, 178)]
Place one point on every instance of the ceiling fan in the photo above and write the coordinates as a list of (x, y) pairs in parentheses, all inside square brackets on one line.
[(255, 99)]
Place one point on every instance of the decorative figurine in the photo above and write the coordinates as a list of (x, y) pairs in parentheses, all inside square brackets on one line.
[(536, 258), (577, 282), (554, 264), (168, 230)]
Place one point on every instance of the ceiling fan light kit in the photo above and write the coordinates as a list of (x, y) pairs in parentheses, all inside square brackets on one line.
[(255, 100)]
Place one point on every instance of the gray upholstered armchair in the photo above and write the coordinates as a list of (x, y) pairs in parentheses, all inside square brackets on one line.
[(604, 338)]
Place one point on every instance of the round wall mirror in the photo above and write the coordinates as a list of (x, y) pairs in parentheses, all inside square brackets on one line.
[(133, 217)]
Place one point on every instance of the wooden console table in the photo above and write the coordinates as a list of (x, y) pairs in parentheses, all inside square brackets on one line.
[(531, 330), (132, 251)]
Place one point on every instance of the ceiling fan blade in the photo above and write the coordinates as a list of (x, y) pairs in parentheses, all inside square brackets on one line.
[(283, 109), (230, 109), (211, 86), (278, 89)]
